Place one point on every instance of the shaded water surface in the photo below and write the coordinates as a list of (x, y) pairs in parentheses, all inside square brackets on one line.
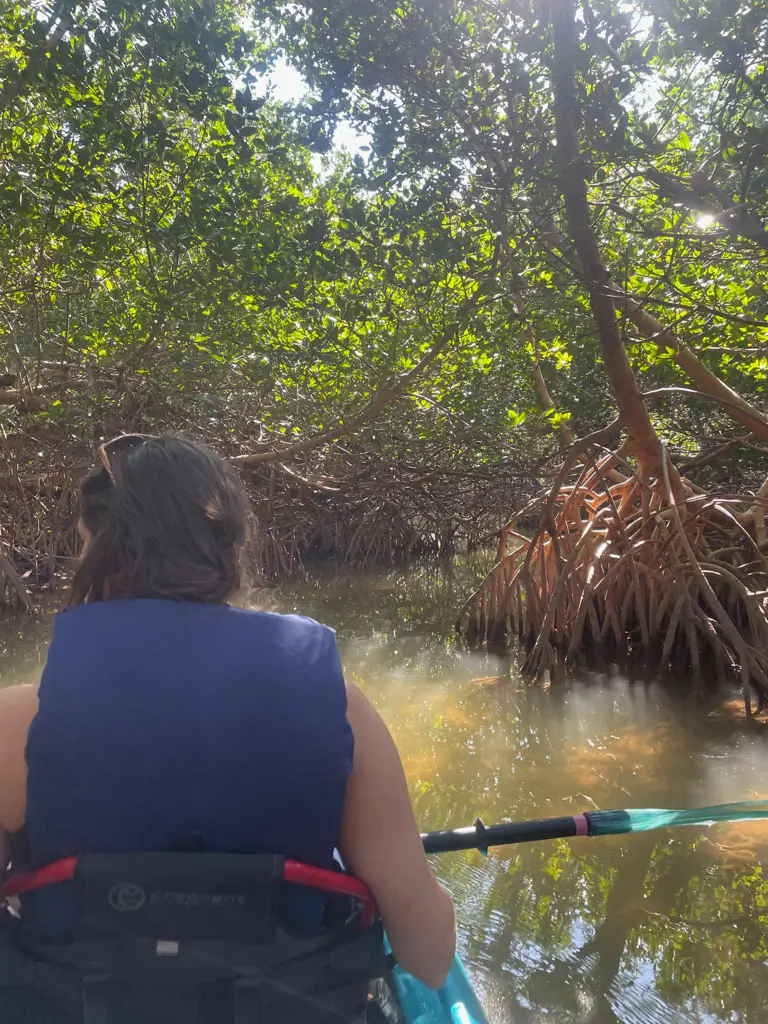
[(667, 927)]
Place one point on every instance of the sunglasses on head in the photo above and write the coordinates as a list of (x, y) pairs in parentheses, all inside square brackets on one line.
[(122, 443)]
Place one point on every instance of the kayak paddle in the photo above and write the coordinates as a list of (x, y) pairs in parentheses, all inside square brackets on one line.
[(592, 823)]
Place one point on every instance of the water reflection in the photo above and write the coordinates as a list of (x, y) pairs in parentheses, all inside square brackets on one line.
[(667, 927)]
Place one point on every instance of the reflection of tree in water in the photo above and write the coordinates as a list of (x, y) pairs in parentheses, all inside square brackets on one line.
[(660, 927), (643, 932), (420, 599)]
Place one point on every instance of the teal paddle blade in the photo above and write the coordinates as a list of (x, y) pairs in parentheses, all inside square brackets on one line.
[(454, 1003), (606, 823)]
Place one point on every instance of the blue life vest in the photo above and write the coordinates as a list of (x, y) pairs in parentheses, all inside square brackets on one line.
[(162, 722)]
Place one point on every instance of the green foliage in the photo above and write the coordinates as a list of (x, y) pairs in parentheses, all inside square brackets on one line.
[(186, 245), (171, 255), (456, 97)]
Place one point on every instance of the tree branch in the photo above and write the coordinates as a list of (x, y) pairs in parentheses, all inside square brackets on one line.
[(385, 396), (663, 337), (709, 384), (733, 217), (25, 402)]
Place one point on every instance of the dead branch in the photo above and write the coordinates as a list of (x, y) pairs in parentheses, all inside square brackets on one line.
[(23, 401)]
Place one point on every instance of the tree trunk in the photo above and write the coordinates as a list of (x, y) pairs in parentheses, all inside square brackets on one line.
[(633, 412)]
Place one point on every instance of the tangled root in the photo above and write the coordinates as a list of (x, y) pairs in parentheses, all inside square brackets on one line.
[(623, 570)]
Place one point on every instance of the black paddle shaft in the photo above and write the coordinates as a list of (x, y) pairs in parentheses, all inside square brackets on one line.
[(478, 837)]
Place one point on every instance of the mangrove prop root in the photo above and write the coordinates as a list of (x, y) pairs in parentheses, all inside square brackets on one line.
[(635, 574)]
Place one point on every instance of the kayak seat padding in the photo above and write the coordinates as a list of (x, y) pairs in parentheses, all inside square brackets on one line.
[(185, 939)]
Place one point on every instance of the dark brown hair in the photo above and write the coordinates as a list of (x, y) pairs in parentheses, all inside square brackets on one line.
[(168, 519)]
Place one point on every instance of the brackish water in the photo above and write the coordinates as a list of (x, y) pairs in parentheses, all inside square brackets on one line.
[(668, 927)]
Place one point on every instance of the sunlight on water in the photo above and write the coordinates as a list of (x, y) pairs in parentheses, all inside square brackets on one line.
[(663, 927)]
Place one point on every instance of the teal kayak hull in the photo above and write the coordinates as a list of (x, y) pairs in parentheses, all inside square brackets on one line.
[(454, 1003)]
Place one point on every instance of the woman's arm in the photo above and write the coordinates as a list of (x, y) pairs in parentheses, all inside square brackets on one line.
[(380, 844), (18, 706)]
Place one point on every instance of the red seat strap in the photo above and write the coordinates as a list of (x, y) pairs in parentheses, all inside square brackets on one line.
[(30, 879)]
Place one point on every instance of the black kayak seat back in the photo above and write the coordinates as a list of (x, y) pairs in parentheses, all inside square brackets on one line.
[(187, 938)]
